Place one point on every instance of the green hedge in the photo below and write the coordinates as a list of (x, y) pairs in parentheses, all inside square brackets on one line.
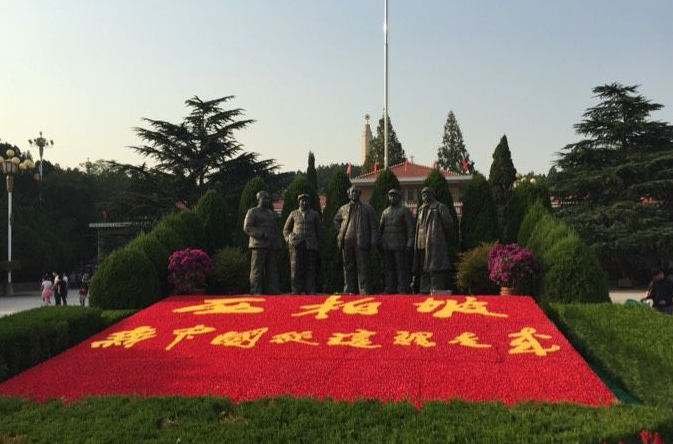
[(30, 337), (157, 253), (472, 271), (533, 214), (183, 230), (217, 228), (232, 272), (125, 279), (196, 227), (169, 238), (631, 343), (205, 420)]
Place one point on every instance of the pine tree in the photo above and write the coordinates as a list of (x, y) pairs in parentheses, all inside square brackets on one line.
[(452, 153), (619, 179), (503, 173), (395, 150), (311, 173), (480, 217), (337, 195)]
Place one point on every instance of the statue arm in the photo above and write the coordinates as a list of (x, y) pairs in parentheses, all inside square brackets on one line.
[(410, 226), (338, 219), (289, 226), (249, 226)]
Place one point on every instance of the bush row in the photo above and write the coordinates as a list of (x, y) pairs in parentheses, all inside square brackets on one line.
[(29, 337), (136, 275), (570, 269), (287, 420)]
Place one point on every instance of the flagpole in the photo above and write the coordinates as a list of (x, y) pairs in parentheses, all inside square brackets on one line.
[(385, 84)]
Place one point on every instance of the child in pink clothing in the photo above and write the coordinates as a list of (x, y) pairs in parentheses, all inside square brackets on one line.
[(47, 290)]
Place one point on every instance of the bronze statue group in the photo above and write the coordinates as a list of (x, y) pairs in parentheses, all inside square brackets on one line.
[(408, 247)]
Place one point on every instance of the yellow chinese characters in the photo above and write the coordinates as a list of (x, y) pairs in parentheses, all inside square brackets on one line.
[(294, 336), (188, 333), (241, 339), (525, 341), (359, 339), (224, 306), (363, 306), (126, 338), (420, 338), (451, 306), (468, 339)]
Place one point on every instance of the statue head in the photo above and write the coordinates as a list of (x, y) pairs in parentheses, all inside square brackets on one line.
[(354, 194), (263, 199), (394, 197), (304, 201), (427, 195)]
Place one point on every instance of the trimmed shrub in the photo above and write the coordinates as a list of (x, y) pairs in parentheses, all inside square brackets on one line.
[(30, 337), (532, 216), (522, 197), (196, 226), (572, 273), (125, 279), (157, 253), (547, 232), (232, 272), (385, 181), (212, 211), (168, 237), (173, 221), (332, 268), (472, 271), (480, 215)]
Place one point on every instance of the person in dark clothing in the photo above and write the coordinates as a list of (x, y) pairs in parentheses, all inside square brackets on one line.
[(660, 292)]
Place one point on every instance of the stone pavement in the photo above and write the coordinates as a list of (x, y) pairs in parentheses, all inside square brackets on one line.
[(24, 300)]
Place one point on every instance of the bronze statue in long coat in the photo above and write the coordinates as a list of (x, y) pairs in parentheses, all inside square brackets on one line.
[(431, 245)]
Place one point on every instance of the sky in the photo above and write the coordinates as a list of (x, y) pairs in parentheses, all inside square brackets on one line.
[(86, 72)]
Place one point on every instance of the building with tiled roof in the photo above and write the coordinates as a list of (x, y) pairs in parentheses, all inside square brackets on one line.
[(411, 177)]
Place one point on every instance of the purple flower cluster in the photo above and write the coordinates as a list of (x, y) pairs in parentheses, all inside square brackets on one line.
[(188, 269), (510, 265)]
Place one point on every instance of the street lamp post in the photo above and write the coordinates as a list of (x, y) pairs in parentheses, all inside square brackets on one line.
[(41, 143), (11, 165)]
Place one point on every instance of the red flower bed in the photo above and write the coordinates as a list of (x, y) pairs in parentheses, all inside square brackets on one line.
[(388, 347)]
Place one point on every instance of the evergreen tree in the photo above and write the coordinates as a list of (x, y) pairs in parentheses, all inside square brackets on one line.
[(337, 195), (452, 153), (619, 179), (524, 195), (395, 150), (503, 173), (438, 183), (248, 200), (192, 156), (311, 173), (385, 181), (212, 210), (480, 217)]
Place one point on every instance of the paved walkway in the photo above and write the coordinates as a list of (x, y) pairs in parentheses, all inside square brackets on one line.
[(24, 300)]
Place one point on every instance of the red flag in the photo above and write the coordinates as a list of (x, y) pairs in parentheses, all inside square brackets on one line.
[(348, 168), (376, 167), (464, 165)]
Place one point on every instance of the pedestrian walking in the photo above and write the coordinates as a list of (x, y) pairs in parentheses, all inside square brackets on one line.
[(46, 290)]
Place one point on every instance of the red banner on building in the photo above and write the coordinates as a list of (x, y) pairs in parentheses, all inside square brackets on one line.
[(345, 347)]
